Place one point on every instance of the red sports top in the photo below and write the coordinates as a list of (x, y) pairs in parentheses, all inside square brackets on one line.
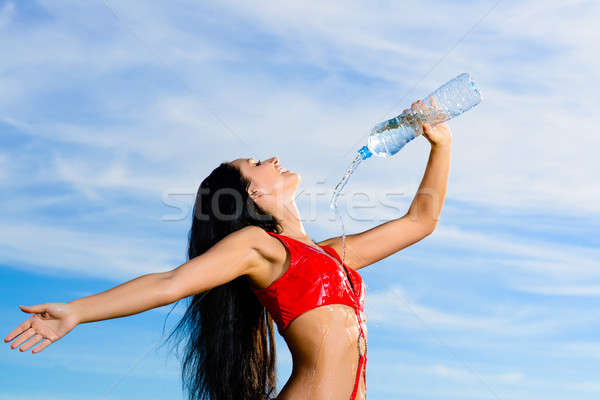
[(314, 279)]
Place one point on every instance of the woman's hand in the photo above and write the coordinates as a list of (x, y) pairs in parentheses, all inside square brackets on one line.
[(438, 135), (49, 322)]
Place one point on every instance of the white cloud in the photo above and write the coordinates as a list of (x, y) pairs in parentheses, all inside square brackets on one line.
[(581, 349), (565, 290), (392, 308), (502, 157), (583, 386), (543, 257), (106, 255), (461, 374)]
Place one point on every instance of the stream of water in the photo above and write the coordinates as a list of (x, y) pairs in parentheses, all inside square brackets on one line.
[(336, 192)]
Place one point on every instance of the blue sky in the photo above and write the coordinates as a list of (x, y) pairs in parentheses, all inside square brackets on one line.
[(112, 113)]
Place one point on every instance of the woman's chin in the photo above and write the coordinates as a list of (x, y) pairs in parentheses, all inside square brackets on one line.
[(293, 179)]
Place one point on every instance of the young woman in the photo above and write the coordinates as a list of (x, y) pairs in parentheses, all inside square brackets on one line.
[(251, 263)]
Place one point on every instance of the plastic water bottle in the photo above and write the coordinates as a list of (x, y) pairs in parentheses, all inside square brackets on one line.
[(449, 100)]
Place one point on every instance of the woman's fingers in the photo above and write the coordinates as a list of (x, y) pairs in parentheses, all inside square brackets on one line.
[(18, 330), (43, 344), (421, 105), (34, 337), (418, 106), (38, 308), (47, 324), (33, 341), (22, 338)]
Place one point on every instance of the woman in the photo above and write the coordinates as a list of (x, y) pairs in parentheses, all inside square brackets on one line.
[(251, 263)]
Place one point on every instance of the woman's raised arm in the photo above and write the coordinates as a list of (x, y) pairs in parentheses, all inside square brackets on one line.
[(372, 245)]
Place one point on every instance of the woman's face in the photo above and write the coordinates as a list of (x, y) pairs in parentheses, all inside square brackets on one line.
[(270, 183)]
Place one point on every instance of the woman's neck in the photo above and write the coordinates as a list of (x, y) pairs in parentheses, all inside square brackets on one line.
[(291, 223)]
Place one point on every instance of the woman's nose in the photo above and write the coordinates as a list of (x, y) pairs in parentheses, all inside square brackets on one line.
[(275, 160)]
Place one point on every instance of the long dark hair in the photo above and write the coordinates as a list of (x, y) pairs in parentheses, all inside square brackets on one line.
[(230, 342)]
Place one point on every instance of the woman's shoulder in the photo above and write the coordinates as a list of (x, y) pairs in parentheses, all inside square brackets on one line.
[(267, 245), (273, 254)]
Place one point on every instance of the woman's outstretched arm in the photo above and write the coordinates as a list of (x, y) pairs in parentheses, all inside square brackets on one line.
[(132, 297), (229, 258), (50, 322), (235, 255), (239, 253), (368, 247)]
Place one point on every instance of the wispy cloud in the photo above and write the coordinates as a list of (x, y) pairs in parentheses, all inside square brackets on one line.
[(331, 44), (393, 308), (567, 290), (81, 253)]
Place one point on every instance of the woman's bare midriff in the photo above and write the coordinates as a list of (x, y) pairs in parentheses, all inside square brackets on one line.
[(324, 347), (323, 341)]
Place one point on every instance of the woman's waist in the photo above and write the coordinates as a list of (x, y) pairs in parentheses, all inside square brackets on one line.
[(327, 379)]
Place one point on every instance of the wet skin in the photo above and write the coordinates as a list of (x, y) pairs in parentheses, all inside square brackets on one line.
[(323, 341)]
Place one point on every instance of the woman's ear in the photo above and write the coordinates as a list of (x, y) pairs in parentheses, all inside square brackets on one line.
[(255, 194)]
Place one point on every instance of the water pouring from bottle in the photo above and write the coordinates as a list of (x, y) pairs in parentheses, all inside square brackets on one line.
[(388, 137)]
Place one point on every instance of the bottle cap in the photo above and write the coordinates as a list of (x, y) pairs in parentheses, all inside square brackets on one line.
[(365, 152)]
